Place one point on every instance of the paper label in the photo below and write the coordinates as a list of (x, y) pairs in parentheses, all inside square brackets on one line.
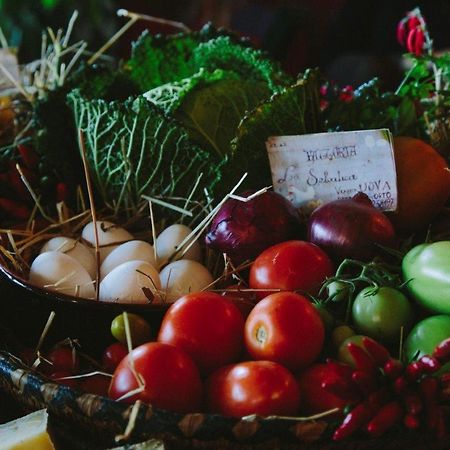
[(317, 168)]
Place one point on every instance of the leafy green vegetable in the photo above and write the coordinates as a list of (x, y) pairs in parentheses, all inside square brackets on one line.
[(210, 106), (293, 111), (251, 64), (133, 149), (157, 60)]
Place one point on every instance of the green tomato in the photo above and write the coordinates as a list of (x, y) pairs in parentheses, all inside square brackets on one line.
[(340, 334), (381, 313), (426, 335), (427, 268), (338, 291), (139, 329)]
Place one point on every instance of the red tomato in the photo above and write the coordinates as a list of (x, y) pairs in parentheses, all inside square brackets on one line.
[(286, 328), (207, 326), (254, 387), (112, 356), (289, 266), (315, 398), (95, 384), (60, 359), (171, 379)]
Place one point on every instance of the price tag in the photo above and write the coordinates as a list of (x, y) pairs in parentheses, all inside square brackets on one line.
[(316, 168)]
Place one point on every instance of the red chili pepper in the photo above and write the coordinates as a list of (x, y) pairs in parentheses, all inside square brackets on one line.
[(415, 370), (353, 421), (442, 351), (378, 398), (415, 41), (362, 359), (385, 418), (393, 368), (428, 388), (401, 31), (340, 388), (411, 421), (413, 403), (436, 421), (430, 364), (366, 382), (412, 22), (378, 352), (400, 385)]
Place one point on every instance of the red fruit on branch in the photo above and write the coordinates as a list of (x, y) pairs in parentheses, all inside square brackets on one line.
[(415, 41), (402, 31), (378, 352), (386, 418)]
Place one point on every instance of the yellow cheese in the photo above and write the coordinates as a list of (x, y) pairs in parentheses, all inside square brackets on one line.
[(26, 433)]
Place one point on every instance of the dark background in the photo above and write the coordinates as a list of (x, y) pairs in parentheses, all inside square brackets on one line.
[(351, 40)]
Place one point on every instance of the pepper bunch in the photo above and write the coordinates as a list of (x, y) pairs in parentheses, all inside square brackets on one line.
[(384, 392), (412, 33)]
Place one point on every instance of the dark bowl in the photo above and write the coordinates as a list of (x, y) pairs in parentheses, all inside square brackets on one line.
[(25, 308)]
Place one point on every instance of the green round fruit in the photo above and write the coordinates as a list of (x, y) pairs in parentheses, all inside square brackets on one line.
[(139, 329), (426, 267), (381, 313), (426, 335)]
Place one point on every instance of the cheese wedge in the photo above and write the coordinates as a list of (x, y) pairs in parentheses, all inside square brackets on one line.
[(26, 433)]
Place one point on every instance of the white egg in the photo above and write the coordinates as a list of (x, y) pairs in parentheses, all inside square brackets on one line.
[(182, 277), (130, 251), (170, 238), (108, 234), (75, 249), (131, 282), (59, 272)]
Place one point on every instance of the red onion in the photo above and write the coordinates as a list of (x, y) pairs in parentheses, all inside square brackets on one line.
[(350, 228), (243, 230)]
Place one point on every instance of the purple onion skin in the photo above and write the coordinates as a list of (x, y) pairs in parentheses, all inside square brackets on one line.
[(350, 228), (243, 230)]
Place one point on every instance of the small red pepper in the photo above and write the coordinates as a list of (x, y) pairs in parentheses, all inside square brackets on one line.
[(428, 388), (430, 364), (378, 352), (386, 418), (366, 382), (343, 389), (401, 385), (442, 351), (353, 421), (393, 368), (401, 31), (413, 403), (411, 421), (361, 358), (415, 370), (415, 41)]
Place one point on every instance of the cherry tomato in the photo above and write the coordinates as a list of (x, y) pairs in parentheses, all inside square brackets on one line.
[(113, 355), (381, 313), (290, 266), (95, 384), (254, 387), (286, 328), (207, 326), (315, 398), (60, 359), (139, 329), (170, 378)]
